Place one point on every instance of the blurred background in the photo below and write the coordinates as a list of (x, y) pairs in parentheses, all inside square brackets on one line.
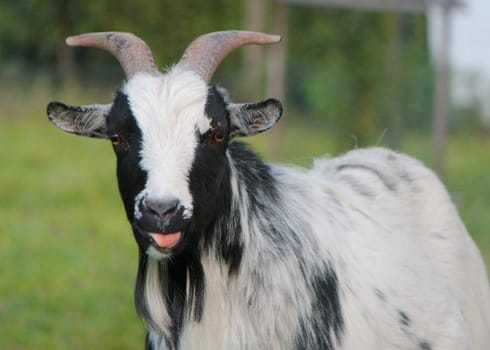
[(408, 74)]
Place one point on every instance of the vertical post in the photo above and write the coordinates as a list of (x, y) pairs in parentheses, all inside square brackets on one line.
[(394, 81), (65, 55), (276, 74), (254, 54), (442, 90)]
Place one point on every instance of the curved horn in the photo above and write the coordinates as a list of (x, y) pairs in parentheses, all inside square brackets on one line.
[(206, 52), (132, 53)]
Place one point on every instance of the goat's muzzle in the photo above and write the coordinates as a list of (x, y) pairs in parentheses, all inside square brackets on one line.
[(162, 222)]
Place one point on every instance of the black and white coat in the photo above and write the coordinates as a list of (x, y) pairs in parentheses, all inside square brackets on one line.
[(363, 251)]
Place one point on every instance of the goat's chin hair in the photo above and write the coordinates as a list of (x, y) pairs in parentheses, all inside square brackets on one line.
[(154, 253), (170, 291)]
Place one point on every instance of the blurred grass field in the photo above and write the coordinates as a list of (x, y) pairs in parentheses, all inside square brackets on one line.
[(68, 258)]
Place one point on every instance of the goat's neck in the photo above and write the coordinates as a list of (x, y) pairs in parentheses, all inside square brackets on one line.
[(171, 291), (247, 190)]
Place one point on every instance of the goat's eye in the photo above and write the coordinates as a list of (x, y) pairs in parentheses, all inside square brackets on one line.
[(218, 136), (116, 139)]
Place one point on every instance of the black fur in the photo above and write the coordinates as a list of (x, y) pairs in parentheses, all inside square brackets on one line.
[(424, 345), (131, 178), (328, 319), (404, 319)]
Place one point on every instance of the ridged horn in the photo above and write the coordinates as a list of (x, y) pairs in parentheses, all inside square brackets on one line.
[(206, 52), (132, 53)]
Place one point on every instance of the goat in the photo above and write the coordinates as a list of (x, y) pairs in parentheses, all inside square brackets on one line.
[(362, 251)]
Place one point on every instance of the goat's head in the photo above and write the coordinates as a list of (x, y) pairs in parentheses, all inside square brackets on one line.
[(170, 132)]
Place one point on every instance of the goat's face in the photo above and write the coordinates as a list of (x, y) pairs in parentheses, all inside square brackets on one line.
[(170, 134)]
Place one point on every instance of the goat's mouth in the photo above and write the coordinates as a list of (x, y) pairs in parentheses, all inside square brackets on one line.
[(165, 240)]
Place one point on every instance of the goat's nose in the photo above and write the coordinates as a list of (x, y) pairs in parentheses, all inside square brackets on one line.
[(162, 208), (165, 215)]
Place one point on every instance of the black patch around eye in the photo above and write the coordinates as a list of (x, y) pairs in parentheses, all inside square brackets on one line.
[(216, 111), (122, 126), (120, 120), (216, 139)]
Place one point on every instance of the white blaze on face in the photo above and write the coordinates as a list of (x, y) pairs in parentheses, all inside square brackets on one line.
[(169, 110)]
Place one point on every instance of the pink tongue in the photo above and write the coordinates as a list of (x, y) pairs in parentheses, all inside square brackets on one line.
[(166, 240)]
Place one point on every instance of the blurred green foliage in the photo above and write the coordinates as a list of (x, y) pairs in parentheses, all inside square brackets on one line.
[(34, 30), (341, 72), (352, 72)]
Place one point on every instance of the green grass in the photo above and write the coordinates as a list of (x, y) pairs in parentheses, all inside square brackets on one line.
[(67, 256), (68, 259)]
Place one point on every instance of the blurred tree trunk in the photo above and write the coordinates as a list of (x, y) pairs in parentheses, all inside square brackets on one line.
[(254, 54), (276, 74), (394, 83), (64, 54), (441, 104)]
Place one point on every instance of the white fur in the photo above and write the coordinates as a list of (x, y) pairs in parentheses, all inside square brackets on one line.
[(154, 297), (168, 109), (386, 241), (421, 214)]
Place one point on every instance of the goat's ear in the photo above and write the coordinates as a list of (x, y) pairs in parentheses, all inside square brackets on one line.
[(90, 120), (253, 118)]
